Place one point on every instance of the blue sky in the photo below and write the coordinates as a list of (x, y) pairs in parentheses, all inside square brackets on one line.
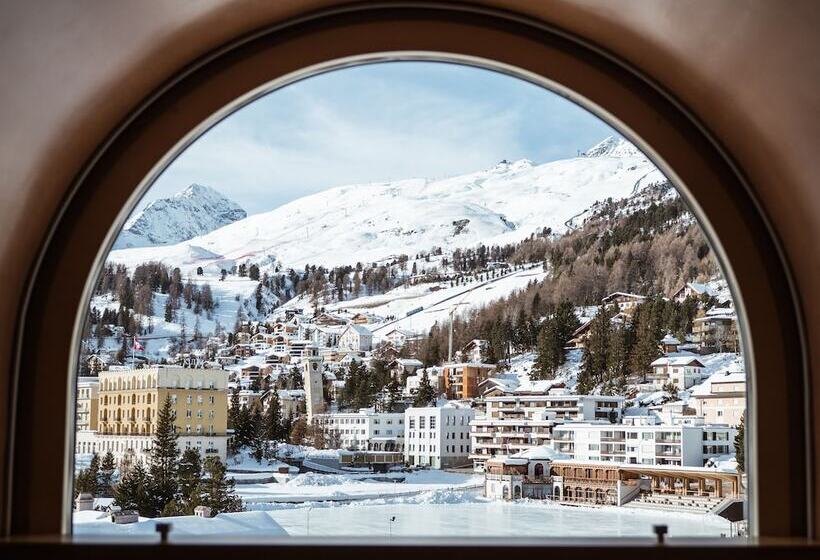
[(378, 122)]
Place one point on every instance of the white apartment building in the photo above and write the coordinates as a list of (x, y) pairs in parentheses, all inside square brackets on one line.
[(513, 423), (438, 437), (87, 401), (689, 443), (721, 399), (365, 430), (566, 406)]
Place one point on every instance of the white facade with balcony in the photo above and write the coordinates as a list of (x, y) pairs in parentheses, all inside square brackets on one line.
[(514, 423), (640, 442)]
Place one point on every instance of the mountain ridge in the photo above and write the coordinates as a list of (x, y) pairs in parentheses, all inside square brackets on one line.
[(192, 212), (369, 222)]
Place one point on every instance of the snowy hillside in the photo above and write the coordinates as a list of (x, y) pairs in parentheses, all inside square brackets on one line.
[(370, 222), (195, 211)]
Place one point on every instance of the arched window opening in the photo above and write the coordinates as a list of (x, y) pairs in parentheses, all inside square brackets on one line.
[(390, 293)]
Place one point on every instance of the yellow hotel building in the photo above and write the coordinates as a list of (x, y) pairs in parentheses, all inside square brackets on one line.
[(128, 401)]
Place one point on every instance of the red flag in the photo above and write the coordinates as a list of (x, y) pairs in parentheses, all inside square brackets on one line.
[(137, 345)]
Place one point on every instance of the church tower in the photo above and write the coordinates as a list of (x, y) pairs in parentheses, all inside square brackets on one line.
[(314, 381)]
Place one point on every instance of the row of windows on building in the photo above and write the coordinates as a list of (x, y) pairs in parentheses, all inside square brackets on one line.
[(422, 448), (432, 435), (189, 399)]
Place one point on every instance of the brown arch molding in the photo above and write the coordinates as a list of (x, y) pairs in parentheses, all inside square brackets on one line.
[(736, 224)]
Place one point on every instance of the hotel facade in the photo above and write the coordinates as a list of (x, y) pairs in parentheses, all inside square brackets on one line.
[(128, 401)]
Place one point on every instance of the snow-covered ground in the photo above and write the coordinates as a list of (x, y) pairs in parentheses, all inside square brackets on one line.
[(91, 524), (436, 305), (443, 513), (225, 295), (346, 487)]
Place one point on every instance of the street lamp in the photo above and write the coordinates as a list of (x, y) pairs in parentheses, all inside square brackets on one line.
[(308, 519), (390, 527)]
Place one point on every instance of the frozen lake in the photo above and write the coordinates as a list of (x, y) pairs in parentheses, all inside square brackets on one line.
[(487, 519)]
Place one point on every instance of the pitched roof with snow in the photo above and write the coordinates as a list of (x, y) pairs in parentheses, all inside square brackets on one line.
[(360, 329), (677, 361)]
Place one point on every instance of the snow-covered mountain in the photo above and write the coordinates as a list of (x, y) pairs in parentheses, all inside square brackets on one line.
[(370, 222), (195, 211)]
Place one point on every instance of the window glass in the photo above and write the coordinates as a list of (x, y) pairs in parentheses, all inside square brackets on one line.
[(451, 252)]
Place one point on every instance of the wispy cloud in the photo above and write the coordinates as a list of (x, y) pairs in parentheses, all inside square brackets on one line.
[(378, 123)]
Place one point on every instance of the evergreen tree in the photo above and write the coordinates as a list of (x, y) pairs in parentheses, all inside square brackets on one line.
[(84, 483), (133, 492), (164, 457), (298, 431), (740, 444), (94, 474), (233, 409), (257, 434), (550, 354), (596, 349), (647, 338), (273, 418), (107, 469), (217, 490), (295, 379), (394, 389), (243, 429), (190, 475), (253, 272), (617, 357), (425, 393)]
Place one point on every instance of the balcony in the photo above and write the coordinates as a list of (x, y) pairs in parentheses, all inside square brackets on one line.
[(667, 453)]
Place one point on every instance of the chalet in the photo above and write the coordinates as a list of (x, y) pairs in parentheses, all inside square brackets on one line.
[(362, 319), (386, 351), (296, 348), (277, 358), (279, 344), (669, 344), (249, 372), (681, 371), (356, 337), (399, 337), (475, 350), (402, 367), (716, 330), (579, 336), (625, 301), (496, 386), (242, 338), (284, 328), (326, 319), (291, 401)]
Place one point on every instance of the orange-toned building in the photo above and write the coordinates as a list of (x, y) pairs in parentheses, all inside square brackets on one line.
[(461, 380)]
